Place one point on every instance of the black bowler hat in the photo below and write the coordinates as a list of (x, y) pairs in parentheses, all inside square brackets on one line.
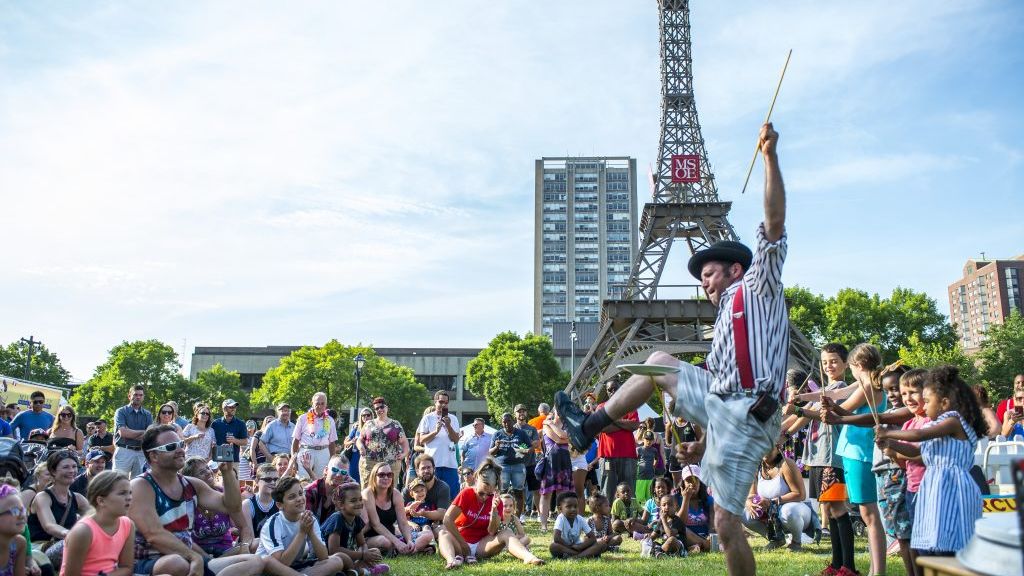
[(724, 251)]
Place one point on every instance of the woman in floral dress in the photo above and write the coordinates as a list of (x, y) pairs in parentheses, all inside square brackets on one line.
[(381, 439)]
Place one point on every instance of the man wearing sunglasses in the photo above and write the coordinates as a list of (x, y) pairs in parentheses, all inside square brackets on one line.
[(29, 420), (318, 493), (130, 422), (163, 507)]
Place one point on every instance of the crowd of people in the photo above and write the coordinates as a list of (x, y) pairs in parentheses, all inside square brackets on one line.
[(232, 497)]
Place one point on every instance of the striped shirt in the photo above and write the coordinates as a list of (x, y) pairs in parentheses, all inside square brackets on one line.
[(767, 324)]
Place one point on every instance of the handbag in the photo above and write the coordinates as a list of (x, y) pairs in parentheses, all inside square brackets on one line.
[(541, 467), (773, 526), (67, 510)]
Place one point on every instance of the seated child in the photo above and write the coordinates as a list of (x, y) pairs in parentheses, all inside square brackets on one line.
[(600, 521), (290, 539), (573, 537), (509, 520), (626, 513), (417, 522), (698, 509), (668, 536), (652, 508), (349, 534)]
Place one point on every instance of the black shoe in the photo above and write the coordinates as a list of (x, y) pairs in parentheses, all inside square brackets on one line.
[(572, 421)]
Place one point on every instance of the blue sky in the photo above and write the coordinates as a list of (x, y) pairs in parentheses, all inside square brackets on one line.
[(254, 173)]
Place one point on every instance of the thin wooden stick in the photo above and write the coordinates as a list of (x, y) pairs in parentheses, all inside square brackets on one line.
[(871, 404), (757, 147)]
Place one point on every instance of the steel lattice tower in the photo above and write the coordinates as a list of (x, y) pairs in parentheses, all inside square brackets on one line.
[(639, 323)]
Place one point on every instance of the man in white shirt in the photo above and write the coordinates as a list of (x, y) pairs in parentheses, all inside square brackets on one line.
[(438, 433)]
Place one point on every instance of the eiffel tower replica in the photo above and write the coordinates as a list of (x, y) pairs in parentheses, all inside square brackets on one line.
[(685, 206)]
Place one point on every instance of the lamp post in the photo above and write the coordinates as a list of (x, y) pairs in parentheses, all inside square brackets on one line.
[(572, 346), (360, 362)]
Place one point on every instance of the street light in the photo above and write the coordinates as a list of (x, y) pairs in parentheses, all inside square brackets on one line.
[(360, 362), (572, 346)]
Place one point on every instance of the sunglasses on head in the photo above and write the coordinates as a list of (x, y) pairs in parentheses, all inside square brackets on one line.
[(169, 447)]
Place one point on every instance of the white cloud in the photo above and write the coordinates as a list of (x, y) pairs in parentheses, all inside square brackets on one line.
[(250, 173)]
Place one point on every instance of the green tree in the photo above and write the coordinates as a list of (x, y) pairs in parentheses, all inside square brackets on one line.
[(807, 312), (45, 369), (853, 316), (331, 369), (150, 363), (216, 386), (920, 354), (513, 370), (1002, 354)]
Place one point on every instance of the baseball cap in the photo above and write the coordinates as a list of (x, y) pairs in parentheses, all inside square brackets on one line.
[(228, 402), (38, 432), (689, 470), (94, 454), (283, 405), (519, 407)]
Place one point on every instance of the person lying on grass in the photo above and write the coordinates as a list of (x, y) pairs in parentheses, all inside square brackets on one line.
[(573, 536), (472, 521)]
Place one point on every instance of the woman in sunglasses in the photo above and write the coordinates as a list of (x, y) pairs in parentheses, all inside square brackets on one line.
[(55, 510), (350, 443), (387, 525), (198, 435), (167, 414), (64, 433), (382, 439), (12, 524)]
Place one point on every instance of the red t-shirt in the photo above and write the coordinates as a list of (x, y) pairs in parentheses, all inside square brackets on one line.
[(1004, 405), (476, 515), (618, 444)]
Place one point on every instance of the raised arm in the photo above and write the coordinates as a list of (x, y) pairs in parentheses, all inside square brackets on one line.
[(774, 190)]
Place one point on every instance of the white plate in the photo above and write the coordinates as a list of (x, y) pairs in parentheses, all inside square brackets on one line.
[(648, 369)]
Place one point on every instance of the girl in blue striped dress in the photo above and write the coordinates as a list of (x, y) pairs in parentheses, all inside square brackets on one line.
[(949, 501)]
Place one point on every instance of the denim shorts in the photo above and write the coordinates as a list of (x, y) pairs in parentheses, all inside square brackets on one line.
[(513, 477)]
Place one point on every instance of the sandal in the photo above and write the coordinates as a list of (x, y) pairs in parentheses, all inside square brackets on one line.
[(430, 550), (470, 559), (455, 563)]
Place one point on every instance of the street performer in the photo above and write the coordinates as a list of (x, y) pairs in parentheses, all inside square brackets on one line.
[(736, 400)]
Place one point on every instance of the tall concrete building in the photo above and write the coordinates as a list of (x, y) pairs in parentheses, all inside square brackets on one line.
[(989, 291), (585, 237)]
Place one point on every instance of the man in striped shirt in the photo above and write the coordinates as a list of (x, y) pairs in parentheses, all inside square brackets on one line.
[(741, 423)]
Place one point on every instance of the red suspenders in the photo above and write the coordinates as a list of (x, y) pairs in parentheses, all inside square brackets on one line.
[(739, 331)]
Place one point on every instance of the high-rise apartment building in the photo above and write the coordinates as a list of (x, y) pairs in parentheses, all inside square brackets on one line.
[(989, 291), (585, 237)]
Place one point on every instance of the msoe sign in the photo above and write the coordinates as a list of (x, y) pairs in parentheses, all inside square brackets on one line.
[(685, 168)]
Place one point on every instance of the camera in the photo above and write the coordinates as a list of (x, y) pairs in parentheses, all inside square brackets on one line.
[(224, 453)]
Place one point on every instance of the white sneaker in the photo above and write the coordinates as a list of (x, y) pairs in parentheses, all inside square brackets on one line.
[(522, 518)]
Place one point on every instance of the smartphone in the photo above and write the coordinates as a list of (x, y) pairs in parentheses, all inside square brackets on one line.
[(1018, 410), (444, 411), (224, 453)]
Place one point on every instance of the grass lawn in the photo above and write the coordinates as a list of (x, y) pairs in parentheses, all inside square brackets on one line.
[(628, 561)]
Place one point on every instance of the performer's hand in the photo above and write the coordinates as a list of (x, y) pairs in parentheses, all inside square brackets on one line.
[(690, 452), (768, 139)]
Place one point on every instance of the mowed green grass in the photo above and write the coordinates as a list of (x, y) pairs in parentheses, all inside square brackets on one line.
[(627, 562)]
